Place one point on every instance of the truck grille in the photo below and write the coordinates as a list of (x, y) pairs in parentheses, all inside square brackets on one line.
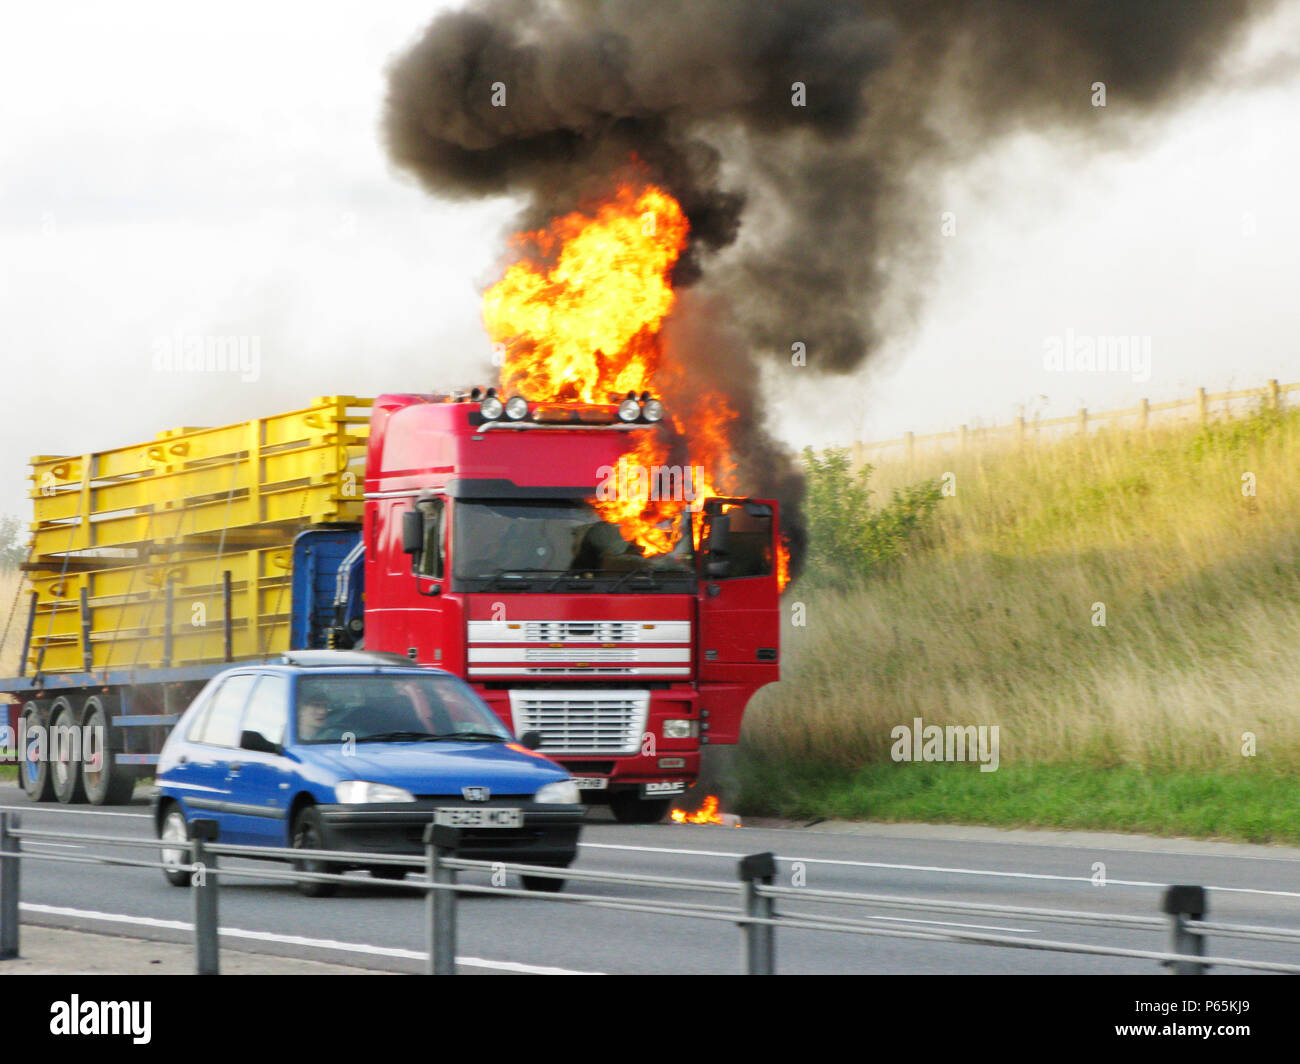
[(579, 632), (583, 722)]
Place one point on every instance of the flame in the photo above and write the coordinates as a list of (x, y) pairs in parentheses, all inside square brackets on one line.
[(707, 814), (579, 315)]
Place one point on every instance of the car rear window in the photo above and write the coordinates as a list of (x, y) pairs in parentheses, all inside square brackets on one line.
[(220, 725)]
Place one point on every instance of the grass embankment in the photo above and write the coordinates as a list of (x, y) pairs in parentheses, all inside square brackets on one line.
[(1137, 724)]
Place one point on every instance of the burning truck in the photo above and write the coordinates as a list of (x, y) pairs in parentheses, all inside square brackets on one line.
[(563, 540)]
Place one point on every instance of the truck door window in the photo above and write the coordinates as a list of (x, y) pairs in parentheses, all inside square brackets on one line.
[(749, 541), (432, 557)]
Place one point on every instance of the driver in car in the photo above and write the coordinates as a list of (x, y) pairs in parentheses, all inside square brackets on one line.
[(318, 721)]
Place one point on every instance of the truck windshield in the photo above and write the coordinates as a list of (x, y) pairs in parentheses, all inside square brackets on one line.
[(556, 545)]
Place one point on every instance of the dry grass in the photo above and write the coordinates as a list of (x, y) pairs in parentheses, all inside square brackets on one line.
[(991, 622), (11, 582)]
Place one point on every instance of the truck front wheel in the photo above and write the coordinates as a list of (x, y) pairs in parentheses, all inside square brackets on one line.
[(629, 807)]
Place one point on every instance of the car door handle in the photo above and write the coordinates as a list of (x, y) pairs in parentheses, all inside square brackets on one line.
[(234, 768)]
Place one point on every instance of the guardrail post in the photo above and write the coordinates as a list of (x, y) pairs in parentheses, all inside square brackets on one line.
[(206, 952), (1183, 904), (10, 884), (440, 903), (760, 939)]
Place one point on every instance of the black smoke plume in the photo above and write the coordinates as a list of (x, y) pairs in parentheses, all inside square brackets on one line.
[(800, 136)]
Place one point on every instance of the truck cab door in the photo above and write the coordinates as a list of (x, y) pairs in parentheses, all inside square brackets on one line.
[(738, 644)]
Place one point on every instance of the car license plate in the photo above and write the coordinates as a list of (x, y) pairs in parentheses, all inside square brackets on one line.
[(492, 817), (591, 783)]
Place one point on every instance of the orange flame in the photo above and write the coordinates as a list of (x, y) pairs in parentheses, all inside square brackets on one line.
[(707, 814), (579, 316), (579, 313)]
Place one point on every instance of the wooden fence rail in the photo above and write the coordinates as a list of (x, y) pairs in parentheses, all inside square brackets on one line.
[(1272, 396)]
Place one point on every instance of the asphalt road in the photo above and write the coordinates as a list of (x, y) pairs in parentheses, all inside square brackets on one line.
[(381, 926)]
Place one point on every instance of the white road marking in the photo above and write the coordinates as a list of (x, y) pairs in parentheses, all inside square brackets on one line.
[(41, 807), (298, 940), (936, 868)]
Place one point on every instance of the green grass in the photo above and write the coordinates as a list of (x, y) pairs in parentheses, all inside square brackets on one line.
[(989, 619), (1246, 806)]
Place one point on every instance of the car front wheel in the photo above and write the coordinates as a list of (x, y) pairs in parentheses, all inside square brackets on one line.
[(309, 834)]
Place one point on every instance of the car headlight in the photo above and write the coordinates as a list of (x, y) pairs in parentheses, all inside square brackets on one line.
[(679, 729), (359, 792), (562, 792)]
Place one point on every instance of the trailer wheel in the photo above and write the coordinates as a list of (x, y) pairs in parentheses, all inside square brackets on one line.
[(175, 861), (66, 768), (629, 807), (35, 773), (111, 783)]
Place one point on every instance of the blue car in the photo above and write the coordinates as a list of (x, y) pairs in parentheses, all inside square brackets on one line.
[(359, 752)]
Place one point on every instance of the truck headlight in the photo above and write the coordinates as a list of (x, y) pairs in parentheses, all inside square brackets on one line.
[(678, 728), (360, 792), (562, 792)]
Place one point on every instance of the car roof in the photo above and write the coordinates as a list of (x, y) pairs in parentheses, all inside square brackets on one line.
[(339, 662)]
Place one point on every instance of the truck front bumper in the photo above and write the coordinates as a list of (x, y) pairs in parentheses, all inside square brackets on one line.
[(548, 836)]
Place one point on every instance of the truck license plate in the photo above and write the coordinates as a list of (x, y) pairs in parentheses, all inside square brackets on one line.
[(495, 817), (591, 783)]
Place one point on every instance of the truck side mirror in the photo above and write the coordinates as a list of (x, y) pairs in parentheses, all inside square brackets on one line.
[(413, 531)]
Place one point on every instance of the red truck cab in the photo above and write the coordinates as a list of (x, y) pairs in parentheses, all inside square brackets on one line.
[(486, 555)]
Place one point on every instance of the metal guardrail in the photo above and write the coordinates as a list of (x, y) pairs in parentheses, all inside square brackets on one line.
[(752, 905)]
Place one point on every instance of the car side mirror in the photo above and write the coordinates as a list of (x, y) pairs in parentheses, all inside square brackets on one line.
[(259, 743), (531, 739)]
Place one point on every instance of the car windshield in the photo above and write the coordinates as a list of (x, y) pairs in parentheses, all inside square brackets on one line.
[(405, 708), (557, 545)]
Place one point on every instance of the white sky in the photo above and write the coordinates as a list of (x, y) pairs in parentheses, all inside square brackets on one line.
[(168, 169)]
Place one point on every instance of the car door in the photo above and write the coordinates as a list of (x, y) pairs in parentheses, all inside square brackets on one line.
[(260, 781), (213, 743)]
